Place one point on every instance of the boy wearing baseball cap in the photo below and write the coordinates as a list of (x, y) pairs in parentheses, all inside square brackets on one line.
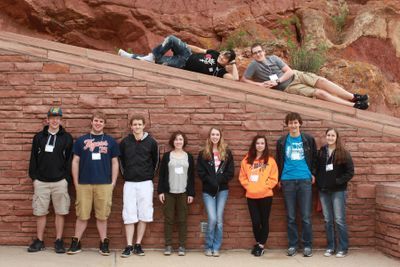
[(50, 168)]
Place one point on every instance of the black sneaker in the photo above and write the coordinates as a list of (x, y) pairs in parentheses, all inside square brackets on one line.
[(59, 246), (127, 252), (254, 249), (75, 246), (361, 105), (259, 251), (360, 98), (137, 249), (36, 246), (104, 250)]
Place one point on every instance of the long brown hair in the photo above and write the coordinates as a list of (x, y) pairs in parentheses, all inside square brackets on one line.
[(208, 148), (340, 151), (252, 154)]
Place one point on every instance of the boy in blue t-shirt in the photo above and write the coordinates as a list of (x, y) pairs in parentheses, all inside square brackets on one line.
[(94, 172), (296, 159)]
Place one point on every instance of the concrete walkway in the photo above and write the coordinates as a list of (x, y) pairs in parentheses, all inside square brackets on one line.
[(18, 257)]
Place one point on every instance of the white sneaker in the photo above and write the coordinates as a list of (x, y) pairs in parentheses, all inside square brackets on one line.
[(123, 53), (149, 58), (329, 252), (341, 254)]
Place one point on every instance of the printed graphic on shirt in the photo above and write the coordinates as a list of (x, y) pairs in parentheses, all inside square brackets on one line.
[(256, 168), (217, 161), (295, 151), (208, 60), (91, 145)]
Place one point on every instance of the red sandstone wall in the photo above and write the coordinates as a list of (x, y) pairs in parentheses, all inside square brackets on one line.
[(28, 86), (388, 219)]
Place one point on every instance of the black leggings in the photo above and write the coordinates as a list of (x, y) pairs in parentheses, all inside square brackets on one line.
[(259, 212)]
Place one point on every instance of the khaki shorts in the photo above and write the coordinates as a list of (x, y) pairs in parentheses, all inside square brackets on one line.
[(57, 192), (99, 195), (303, 84)]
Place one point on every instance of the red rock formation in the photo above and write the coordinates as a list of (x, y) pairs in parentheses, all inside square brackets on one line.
[(371, 34)]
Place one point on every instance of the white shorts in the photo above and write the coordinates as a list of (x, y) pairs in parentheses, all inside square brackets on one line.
[(138, 202)]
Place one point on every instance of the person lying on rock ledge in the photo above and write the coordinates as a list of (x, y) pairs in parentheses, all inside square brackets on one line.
[(272, 72), (189, 57)]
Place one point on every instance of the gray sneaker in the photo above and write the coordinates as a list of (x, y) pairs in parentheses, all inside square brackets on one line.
[(292, 251), (307, 252), (181, 251), (216, 253), (168, 250), (329, 252)]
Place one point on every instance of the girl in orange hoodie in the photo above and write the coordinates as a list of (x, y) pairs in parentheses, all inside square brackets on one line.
[(259, 175)]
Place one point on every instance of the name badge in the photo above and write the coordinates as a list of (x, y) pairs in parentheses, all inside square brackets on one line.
[(254, 178), (49, 148), (96, 156), (329, 167), (179, 170), (273, 77), (295, 155)]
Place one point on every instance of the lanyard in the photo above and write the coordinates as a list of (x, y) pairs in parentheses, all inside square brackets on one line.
[(48, 140)]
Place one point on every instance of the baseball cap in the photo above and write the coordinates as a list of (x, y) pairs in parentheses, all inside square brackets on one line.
[(54, 111)]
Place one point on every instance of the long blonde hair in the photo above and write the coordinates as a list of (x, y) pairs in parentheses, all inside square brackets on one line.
[(208, 148)]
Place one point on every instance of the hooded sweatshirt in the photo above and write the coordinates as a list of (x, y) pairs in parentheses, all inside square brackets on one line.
[(259, 178), (139, 158), (51, 166)]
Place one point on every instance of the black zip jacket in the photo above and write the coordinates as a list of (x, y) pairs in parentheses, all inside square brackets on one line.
[(139, 159), (310, 152), (213, 182), (54, 166), (335, 180), (163, 182)]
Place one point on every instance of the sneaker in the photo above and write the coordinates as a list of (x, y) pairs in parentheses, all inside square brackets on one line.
[(36, 246), (59, 246), (341, 254), (329, 252), (216, 253), (181, 251), (208, 253), (168, 250), (361, 105), (307, 252), (253, 250), (128, 251), (292, 251), (360, 98), (137, 249), (123, 53), (75, 246), (148, 58), (259, 251), (104, 247)]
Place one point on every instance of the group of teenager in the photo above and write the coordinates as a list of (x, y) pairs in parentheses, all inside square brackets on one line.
[(269, 72), (95, 159)]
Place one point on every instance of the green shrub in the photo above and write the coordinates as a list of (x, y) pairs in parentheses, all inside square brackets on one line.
[(340, 19), (309, 60)]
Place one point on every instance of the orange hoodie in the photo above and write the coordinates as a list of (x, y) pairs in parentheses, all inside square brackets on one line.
[(258, 179)]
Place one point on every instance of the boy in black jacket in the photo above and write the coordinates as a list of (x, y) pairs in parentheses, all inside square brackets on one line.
[(50, 168), (139, 160)]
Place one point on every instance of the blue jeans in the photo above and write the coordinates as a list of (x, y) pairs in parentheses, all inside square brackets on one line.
[(334, 208), (181, 52), (215, 212), (298, 193)]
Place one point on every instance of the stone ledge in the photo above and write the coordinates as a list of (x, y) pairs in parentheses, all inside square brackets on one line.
[(106, 62)]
